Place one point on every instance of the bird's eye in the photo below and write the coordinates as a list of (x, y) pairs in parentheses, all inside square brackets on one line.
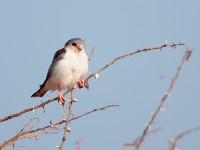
[(74, 44)]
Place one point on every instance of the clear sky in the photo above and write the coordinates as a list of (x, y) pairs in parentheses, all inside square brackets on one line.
[(30, 33)]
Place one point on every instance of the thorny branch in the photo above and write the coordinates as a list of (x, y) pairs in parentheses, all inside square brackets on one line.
[(18, 114), (92, 53), (174, 141), (137, 139), (67, 129), (29, 133), (42, 105), (163, 99), (28, 124), (174, 45), (19, 135), (46, 129)]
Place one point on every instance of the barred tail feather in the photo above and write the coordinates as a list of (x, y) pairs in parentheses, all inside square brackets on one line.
[(39, 93)]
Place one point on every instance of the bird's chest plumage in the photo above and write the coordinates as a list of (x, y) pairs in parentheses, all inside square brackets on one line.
[(68, 71)]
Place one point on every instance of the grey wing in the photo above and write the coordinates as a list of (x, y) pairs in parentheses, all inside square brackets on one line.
[(57, 57)]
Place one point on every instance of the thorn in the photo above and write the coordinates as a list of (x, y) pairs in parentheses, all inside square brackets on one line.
[(147, 125), (68, 129), (58, 146), (48, 98), (74, 100), (165, 41), (51, 122), (167, 94), (162, 109), (174, 46), (33, 110), (43, 109), (24, 107), (96, 76), (75, 86)]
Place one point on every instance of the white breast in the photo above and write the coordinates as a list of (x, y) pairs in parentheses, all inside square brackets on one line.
[(68, 71)]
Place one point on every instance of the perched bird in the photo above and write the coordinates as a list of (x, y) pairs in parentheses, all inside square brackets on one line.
[(68, 68)]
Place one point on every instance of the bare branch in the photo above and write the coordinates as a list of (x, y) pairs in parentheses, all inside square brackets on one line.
[(174, 141), (92, 53), (174, 45), (163, 99), (67, 129), (97, 109), (19, 135), (134, 144), (46, 129), (28, 124), (26, 110), (132, 53)]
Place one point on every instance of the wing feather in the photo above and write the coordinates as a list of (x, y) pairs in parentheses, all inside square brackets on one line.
[(57, 56)]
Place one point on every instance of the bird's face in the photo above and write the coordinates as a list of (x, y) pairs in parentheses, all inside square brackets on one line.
[(76, 45)]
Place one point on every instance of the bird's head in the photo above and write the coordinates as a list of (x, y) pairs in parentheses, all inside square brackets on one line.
[(77, 45)]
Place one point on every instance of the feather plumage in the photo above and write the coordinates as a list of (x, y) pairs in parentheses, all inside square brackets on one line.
[(68, 66)]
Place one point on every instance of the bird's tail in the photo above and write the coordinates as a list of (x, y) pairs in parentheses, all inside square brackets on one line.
[(39, 93)]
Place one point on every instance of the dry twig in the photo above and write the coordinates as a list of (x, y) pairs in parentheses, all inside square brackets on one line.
[(137, 139), (174, 141), (46, 129), (163, 99), (42, 105), (67, 128), (29, 133), (92, 53)]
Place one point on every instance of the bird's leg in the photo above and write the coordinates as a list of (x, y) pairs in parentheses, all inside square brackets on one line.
[(61, 98), (81, 83)]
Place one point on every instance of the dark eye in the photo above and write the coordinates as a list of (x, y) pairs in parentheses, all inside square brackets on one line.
[(74, 44)]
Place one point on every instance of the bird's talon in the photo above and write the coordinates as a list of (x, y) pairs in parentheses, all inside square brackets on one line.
[(81, 83), (61, 98)]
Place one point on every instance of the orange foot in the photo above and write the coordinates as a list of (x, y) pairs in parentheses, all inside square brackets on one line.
[(81, 83), (61, 98)]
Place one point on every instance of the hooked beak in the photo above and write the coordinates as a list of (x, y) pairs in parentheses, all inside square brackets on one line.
[(80, 46)]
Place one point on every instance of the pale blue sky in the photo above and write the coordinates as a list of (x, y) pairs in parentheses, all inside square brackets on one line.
[(30, 33)]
